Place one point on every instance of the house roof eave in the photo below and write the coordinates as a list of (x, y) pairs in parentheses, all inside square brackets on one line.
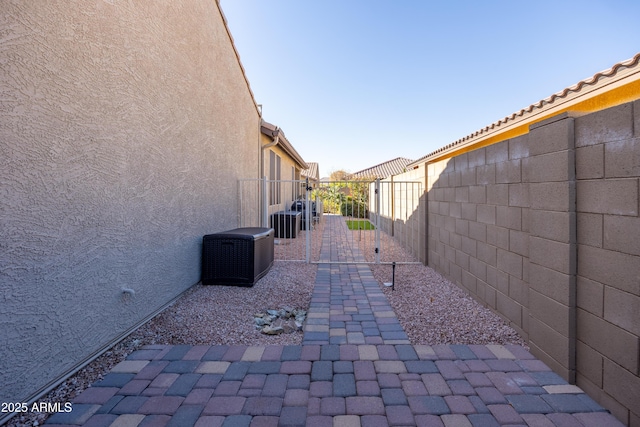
[(276, 134)]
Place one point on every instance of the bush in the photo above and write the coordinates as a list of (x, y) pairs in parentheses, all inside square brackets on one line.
[(331, 207), (354, 209)]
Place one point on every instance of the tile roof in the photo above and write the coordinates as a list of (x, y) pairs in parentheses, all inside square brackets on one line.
[(274, 132), (312, 172), (385, 169), (554, 104)]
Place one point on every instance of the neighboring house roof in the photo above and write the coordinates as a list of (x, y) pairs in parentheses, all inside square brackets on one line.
[(277, 135), (617, 85), (384, 170), (312, 172)]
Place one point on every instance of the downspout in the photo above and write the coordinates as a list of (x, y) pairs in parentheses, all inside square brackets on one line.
[(264, 147), (261, 166), (269, 145)]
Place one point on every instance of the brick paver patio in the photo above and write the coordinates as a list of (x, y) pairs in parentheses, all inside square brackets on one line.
[(355, 367)]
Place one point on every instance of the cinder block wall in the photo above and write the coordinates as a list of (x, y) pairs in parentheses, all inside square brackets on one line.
[(545, 229), (608, 274), (403, 209), (552, 246), (125, 128), (478, 226)]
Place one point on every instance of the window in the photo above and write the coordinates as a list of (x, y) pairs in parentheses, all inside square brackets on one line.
[(294, 186), (274, 179)]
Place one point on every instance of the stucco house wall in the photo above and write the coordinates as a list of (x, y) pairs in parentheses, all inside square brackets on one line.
[(289, 172), (283, 176), (125, 128)]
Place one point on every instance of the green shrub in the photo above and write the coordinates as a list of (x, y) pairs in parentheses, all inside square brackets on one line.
[(354, 208)]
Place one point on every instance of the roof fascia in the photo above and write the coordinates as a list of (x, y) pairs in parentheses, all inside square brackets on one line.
[(284, 143), (276, 134)]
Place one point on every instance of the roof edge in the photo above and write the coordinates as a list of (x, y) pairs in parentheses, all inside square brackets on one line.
[(391, 166), (586, 96), (237, 54), (274, 132)]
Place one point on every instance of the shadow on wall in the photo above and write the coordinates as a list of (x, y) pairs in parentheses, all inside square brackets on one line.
[(543, 229)]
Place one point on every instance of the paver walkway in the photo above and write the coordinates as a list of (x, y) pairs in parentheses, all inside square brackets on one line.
[(347, 305), (355, 367)]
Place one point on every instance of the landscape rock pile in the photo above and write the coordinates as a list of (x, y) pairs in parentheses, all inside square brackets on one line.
[(275, 322)]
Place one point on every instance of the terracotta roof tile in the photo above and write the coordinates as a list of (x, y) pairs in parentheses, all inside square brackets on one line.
[(582, 86), (385, 169)]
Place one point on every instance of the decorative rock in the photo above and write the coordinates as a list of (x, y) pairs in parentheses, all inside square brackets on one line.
[(288, 327), (285, 320), (275, 330)]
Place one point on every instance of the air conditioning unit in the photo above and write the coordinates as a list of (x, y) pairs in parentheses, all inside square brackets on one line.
[(238, 257), (286, 224)]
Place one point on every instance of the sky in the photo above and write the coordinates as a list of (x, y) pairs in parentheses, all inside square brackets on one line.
[(354, 83)]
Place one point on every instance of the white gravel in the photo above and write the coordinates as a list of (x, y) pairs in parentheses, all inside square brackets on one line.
[(431, 309), (204, 315), (209, 315)]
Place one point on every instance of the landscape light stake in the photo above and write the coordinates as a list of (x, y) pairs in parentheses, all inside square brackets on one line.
[(393, 275)]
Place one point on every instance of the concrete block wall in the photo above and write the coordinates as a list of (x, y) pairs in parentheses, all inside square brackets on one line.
[(403, 210), (410, 215), (478, 224), (545, 229), (608, 245), (382, 211), (552, 243)]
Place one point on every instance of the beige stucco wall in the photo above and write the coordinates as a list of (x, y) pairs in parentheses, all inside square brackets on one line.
[(544, 229), (125, 127), (289, 185)]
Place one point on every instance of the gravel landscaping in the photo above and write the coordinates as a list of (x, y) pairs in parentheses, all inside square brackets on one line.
[(431, 309), (204, 315)]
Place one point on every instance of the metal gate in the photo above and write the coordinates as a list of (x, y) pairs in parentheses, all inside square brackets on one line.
[(374, 221)]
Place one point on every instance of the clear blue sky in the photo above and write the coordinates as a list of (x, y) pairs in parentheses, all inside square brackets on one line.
[(353, 83)]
